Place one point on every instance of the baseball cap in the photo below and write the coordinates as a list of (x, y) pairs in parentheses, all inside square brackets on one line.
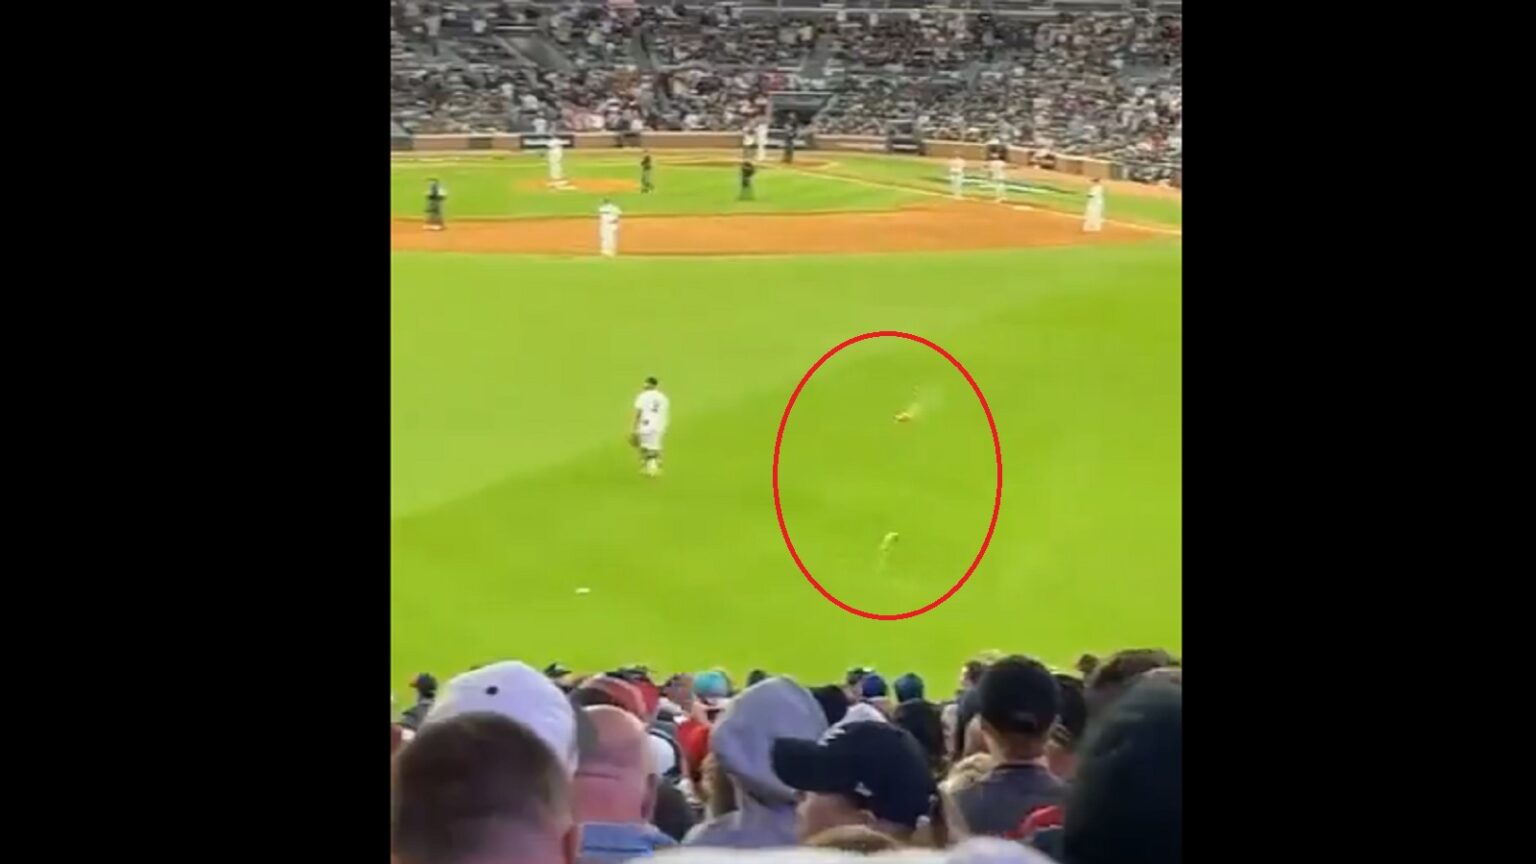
[(1019, 695), (873, 687), (857, 674), (711, 685), (880, 765), (622, 694), (908, 687), (517, 691)]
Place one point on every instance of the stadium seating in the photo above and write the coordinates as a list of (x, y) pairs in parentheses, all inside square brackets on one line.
[(1080, 77)]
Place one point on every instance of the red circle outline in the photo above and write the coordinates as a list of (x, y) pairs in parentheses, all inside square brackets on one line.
[(997, 500)]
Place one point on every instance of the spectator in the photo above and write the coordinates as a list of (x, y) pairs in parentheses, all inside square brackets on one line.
[(1127, 804), (869, 774), (981, 850), (921, 720), (517, 691), (607, 690), (741, 741), (426, 690), (876, 693), (908, 687), (833, 701), (712, 686), (962, 775), (1116, 675), (1061, 750), (854, 838), (755, 676), (716, 792), (480, 787), (1019, 703), (615, 790)]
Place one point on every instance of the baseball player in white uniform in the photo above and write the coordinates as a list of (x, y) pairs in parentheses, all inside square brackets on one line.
[(1093, 214), (608, 228), (556, 153), (995, 171), (957, 177), (652, 410), (762, 141)]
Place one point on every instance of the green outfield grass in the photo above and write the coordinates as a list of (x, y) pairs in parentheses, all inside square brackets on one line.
[(512, 484), (1063, 195)]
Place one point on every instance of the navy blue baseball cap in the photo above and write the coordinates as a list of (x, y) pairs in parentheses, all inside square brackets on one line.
[(877, 764), (873, 687), (909, 687)]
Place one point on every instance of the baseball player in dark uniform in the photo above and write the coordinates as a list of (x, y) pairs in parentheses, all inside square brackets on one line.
[(435, 196), (645, 173), (747, 170), (789, 140)]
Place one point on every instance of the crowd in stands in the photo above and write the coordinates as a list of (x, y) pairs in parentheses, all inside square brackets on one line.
[(1102, 85), (512, 764)]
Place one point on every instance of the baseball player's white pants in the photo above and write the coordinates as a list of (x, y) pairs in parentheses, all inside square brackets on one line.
[(957, 185), (650, 440), (556, 170), (1093, 218), (608, 239), (762, 152)]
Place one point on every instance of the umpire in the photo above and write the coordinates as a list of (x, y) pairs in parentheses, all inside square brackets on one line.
[(435, 196), (747, 170)]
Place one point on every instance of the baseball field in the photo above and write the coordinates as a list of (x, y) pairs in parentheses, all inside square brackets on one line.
[(521, 526)]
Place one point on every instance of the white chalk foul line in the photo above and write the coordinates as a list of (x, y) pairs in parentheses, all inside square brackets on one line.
[(1134, 226)]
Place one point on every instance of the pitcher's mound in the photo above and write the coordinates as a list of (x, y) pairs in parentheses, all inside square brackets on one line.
[(596, 185)]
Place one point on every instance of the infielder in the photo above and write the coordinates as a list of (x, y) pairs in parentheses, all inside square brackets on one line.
[(608, 228), (646, 183), (435, 195), (995, 171), (555, 151), (1093, 214), (957, 177), (762, 140), (652, 408)]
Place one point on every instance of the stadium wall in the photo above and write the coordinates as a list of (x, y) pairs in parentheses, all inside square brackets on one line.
[(1098, 169)]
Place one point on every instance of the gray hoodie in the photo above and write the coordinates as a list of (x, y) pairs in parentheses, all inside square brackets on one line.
[(741, 741)]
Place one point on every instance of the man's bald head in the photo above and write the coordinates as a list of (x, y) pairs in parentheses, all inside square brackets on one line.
[(616, 779)]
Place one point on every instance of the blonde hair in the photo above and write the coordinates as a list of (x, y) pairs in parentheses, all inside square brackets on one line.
[(717, 791), (854, 838), (964, 774)]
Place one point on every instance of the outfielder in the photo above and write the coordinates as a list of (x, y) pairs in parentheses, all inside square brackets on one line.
[(995, 170), (1093, 214), (652, 408), (608, 228), (555, 150), (957, 177)]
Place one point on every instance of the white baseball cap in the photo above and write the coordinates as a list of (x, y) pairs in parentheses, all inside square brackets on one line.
[(519, 692)]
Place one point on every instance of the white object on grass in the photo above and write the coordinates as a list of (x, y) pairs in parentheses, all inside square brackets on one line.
[(583, 590)]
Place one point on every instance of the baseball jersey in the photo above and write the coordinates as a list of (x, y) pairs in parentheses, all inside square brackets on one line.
[(996, 166), (1096, 195), (608, 215), (556, 150), (654, 406), (956, 166)]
